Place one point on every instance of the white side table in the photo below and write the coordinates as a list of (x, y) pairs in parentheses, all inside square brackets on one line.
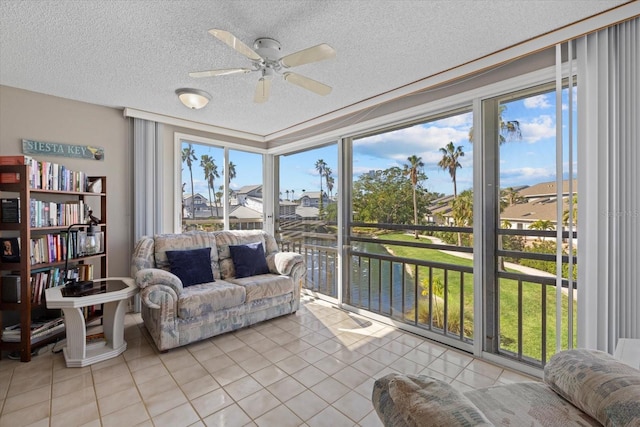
[(112, 293), (628, 351)]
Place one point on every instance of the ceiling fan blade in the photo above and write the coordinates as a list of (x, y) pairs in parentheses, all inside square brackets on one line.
[(236, 44), (262, 90), (313, 54), (307, 83), (221, 72)]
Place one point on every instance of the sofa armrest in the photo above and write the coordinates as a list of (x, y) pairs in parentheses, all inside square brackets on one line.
[(284, 262), (599, 385), (410, 400), (155, 276), (159, 296)]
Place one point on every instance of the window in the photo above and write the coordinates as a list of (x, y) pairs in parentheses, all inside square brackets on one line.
[(413, 192), (538, 191), (203, 182), (246, 198), (307, 213)]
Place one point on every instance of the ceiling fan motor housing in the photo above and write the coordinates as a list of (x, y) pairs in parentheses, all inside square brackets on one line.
[(268, 48)]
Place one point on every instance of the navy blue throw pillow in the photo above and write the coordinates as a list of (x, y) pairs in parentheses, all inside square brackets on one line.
[(249, 259), (191, 266)]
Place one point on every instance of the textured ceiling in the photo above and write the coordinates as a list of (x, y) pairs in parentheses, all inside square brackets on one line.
[(137, 53)]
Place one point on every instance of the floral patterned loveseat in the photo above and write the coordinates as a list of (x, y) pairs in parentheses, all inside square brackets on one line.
[(175, 314)]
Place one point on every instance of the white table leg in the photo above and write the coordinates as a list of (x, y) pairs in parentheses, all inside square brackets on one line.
[(76, 333)]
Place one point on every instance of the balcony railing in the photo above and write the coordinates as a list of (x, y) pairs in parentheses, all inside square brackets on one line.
[(432, 296), (439, 297)]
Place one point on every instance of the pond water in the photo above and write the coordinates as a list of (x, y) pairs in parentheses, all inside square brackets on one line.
[(378, 285)]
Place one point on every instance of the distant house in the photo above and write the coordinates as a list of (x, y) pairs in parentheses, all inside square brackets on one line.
[(198, 201), (439, 211), (247, 204), (247, 191), (540, 202), (288, 209), (312, 199), (537, 202)]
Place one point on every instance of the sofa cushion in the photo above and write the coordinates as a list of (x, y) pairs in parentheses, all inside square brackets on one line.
[(224, 239), (598, 384), (264, 286), (527, 404), (409, 400), (205, 298), (192, 266), (249, 259), (184, 241)]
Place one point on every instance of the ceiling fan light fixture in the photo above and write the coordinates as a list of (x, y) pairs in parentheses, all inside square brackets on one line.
[(193, 98)]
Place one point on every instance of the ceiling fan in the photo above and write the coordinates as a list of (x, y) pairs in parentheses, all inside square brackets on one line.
[(265, 59)]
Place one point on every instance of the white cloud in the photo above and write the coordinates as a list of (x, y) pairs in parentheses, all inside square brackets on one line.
[(460, 120), (526, 175), (419, 140), (538, 101), (540, 127)]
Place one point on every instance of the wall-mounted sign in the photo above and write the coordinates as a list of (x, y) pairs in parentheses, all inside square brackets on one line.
[(64, 150)]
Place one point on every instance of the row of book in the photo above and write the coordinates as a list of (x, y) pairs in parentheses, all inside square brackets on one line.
[(49, 248), (45, 214), (39, 330), (53, 277), (45, 175), (44, 280), (52, 214)]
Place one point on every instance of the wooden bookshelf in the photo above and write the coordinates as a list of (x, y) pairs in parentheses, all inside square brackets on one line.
[(29, 309)]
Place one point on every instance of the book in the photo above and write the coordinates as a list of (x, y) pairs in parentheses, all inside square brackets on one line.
[(40, 330), (10, 210), (35, 336), (13, 178), (95, 340), (10, 249)]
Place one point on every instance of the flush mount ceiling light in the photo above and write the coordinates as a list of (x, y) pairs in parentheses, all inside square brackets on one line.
[(193, 98)]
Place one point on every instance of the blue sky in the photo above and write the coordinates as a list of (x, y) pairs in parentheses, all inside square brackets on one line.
[(522, 162)]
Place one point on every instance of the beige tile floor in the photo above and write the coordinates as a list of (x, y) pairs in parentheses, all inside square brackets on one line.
[(314, 368)]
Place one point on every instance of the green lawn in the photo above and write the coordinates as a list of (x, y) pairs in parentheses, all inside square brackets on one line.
[(531, 301)]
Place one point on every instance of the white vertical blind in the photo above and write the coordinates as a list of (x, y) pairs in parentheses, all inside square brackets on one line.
[(147, 170), (559, 194), (609, 186)]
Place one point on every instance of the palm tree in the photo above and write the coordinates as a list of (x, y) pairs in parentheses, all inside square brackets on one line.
[(232, 172), (449, 162), (232, 175), (219, 194), (509, 130), (510, 197), (211, 180), (287, 194), (413, 171), (542, 225), (208, 165), (320, 167), (184, 184), (292, 195), (329, 180), (188, 157), (565, 214), (506, 224), (462, 209)]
